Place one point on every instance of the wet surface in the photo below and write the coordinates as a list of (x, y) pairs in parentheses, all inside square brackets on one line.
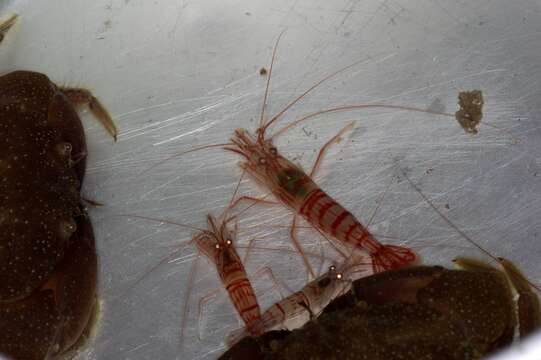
[(181, 74)]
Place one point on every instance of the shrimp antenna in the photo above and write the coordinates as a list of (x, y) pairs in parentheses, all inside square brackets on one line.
[(185, 307), (267, 87), (306, 92), (355, 107), (232, 201), (161, 221), (454, 227), (444, 218), (161, 162), (164, 260)]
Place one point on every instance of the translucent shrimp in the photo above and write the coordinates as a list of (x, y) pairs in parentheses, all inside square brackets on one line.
[(295, 310), (296, 189), (217, 245)]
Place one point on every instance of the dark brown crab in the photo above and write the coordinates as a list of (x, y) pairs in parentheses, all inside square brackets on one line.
[(48, 262), (422, 312)]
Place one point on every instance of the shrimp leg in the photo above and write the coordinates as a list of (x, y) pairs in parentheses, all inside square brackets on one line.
[(298, 247), (254, 200), (205, 299), (264, 269), (336, 138)]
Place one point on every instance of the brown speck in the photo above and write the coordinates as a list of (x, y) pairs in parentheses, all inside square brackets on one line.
[(262, 71), (471, 110)]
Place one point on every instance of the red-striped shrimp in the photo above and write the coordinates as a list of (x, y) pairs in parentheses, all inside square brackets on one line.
[(297, 309), (217, 245), (296, 189)]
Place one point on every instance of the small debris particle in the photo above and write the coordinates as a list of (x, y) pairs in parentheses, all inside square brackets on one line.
[(471, 110), (306, 132), (262, 71)]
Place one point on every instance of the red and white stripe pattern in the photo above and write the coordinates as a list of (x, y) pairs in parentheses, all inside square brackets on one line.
[(241, 292), (321, 210)]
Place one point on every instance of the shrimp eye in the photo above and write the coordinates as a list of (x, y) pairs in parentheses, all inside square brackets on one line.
[(332, 268), (217, 246), (228, 242), (262, 161), (273, 151), (339, 276)]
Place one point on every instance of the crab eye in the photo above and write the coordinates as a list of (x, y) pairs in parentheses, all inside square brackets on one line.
[(273, 151)]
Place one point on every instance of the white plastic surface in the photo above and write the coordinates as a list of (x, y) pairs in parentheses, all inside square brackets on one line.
[(179, 74)]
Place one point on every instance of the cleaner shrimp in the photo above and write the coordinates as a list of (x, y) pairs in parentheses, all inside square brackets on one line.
[(217, 244), (296, 189), (297, 309)]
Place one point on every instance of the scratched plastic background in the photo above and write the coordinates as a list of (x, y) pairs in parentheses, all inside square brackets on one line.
[(179, 74)]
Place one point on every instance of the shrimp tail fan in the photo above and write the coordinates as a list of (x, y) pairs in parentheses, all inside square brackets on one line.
[(392, 257)]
